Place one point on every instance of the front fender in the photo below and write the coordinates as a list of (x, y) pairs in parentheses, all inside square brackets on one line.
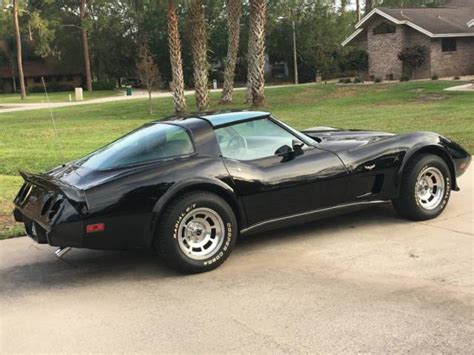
[(437, 145)]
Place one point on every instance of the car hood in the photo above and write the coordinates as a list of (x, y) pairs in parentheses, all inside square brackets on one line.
[(336, 140)]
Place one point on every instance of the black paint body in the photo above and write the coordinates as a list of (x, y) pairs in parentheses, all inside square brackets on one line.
[(343, 169)]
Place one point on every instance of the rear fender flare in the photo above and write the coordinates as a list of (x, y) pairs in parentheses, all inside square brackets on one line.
[(202, 184)]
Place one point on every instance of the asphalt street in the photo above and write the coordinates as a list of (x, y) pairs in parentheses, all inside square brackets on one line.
[(365, 282)]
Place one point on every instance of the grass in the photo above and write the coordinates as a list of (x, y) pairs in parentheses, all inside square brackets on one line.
[(63, 96), (27, 139)]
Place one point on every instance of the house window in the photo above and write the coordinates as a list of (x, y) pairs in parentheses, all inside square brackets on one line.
[(448, 44), (384, 28)]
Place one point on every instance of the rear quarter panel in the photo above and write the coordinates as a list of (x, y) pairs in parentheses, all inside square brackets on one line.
[(126, 204)]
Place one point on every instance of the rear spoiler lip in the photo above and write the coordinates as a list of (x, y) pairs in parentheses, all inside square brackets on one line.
[(49, 182)]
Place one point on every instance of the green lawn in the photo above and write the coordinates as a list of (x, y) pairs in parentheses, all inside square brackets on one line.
[(62, 96), (26, 138)]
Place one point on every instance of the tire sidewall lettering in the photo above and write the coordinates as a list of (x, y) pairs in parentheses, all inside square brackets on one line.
[(224, 248)]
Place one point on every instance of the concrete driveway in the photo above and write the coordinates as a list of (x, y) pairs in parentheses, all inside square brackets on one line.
[(367, 282)]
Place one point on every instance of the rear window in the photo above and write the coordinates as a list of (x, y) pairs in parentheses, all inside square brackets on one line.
[(146, 144)]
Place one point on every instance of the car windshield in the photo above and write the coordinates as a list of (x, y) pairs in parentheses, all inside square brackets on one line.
[(149, 143)]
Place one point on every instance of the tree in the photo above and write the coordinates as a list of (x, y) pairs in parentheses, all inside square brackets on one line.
[(413, 57), (234, 12), (147, 71), (358, 10), (368, 6), (16, 24), (83, 13), (358, 59), (174, 43), (197, 23), (256, 65)]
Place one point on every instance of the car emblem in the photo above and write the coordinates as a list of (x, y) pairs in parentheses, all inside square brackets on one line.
[(369, 167)]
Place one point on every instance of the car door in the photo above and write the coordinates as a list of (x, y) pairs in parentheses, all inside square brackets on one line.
[(278, 185)]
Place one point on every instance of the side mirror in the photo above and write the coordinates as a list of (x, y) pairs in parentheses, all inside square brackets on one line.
[(297, 146), (283, 150)]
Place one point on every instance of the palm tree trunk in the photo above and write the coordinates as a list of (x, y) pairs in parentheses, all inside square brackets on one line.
[(85, 45), (174, 43), (358, 10), (258, 10), (248, 93), (18, 50), (234, 12), (368, 6), (197, 21)]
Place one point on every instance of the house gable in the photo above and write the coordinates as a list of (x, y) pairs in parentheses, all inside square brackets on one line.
[(432, 22)]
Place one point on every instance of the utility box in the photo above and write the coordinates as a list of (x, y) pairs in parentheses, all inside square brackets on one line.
[(79, 94), (128, 89)]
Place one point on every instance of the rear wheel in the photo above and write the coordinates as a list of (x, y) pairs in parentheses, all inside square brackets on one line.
[(197, 232), (425, 188)]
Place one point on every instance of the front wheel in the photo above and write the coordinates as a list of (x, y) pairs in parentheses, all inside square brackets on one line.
[(197, 232), (425, 188)]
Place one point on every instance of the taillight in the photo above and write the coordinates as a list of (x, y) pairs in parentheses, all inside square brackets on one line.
[(97, 227)]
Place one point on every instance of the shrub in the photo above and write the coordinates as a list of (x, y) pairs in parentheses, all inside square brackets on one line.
[(358, 80), (377, 80), (404, 78), (340, 81), (414, 57), (358, 59), (456, 78), (103, 85), (434, 77), (347, 81), (51, 87)]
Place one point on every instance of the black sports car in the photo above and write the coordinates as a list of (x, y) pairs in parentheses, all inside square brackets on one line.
[(189, 186)]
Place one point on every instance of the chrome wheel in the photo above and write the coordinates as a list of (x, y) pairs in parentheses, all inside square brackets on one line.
[(201, 233), (429, 188)]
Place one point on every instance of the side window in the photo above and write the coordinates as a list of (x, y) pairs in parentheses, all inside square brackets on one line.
[(448, 44), (253, 140), (384, 28), (149, 143)]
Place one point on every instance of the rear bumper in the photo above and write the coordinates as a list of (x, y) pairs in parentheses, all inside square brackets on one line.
[(49, 217), (65, 234)]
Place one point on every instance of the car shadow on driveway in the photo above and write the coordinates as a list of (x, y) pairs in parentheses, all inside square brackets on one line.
[(35, 267)]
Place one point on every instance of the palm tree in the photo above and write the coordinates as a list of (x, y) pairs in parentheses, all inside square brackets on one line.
[(83, 13), (174, 43), (358, 10), (18, 50), (256, 65), (234, 12), (368, 6), (197, 20)]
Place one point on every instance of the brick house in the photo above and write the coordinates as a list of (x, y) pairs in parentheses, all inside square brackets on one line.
[(447, 33)]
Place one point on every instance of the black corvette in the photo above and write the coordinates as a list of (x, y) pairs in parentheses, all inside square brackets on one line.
[(189, 186)]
